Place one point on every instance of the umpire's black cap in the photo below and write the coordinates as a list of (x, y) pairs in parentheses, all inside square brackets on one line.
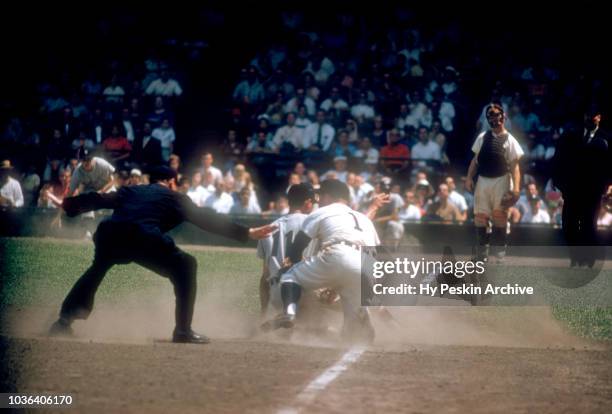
[(299, 193), (336, 189), (160, 173)]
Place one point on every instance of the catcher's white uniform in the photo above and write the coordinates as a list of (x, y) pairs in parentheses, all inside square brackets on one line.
[(337, 234)]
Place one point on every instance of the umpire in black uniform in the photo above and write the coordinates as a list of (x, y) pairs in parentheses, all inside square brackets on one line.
[(582, 170), (136, 233)]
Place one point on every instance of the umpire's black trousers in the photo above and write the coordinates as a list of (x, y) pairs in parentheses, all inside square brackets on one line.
[(580, 224), (122, 243)]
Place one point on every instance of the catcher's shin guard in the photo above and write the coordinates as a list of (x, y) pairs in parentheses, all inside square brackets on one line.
[(482, 244), (499, 240)]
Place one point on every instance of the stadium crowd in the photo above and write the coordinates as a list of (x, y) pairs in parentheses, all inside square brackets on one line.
[(384, 110)]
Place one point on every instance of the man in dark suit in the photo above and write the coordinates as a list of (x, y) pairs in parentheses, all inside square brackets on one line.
[(136, 233), (582, 171), (147, 149)]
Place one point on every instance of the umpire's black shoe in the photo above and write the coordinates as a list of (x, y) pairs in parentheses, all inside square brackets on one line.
[(189, 337), (61, 327)]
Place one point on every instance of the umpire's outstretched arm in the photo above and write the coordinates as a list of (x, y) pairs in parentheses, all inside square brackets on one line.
[(73, 206), (209, 220)]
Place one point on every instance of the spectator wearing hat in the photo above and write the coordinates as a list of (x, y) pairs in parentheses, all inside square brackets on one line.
[(339, 172), (10, 189)]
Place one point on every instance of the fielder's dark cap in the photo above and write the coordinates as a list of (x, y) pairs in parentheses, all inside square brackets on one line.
[(336, 189), (160, 173), (299, 193)]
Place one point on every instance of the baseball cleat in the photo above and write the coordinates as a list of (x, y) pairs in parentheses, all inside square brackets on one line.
[(189, 337), (60, 328), (281, 321)]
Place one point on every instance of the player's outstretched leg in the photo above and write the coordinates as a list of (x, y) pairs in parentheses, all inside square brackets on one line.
[(290, 294)]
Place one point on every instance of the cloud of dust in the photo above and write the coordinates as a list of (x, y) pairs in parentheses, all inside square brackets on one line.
[(530, 327)]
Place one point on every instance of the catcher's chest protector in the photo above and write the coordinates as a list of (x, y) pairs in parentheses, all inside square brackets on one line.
[(492, 160)]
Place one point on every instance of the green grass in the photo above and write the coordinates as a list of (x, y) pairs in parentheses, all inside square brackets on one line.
[(39, 272)]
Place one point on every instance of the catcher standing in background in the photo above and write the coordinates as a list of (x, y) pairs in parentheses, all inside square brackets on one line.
[(496, 161)]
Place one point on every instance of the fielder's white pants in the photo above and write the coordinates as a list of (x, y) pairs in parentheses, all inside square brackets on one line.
[(337, 267)]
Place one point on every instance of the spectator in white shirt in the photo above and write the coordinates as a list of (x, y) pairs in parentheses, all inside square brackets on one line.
[(196, 191), (365, 151), (425, 149), (127, 124), (207, 161), (447, 114), (535, 214), (298, 100), (455, 198), (289, 135), (10, 189), (531, 192), (302, 121), (245, 205), (409, 211), (113, 92), (165, 135), (220, 200), (164, 86), (362, 111), (320, 135), (334, 102)]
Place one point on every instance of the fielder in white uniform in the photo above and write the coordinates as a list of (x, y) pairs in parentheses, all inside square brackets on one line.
[(338, 233)]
